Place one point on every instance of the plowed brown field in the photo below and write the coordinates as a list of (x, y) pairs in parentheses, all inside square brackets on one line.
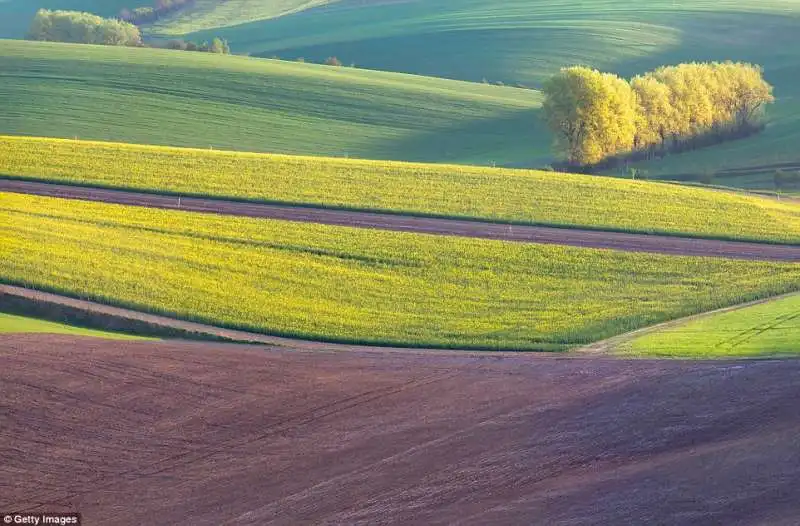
[(208, 434)]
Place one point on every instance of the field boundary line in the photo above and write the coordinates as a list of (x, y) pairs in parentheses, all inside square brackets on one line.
[(576, 237)]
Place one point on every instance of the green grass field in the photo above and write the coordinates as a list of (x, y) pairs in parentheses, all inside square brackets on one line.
[(771, 328), (524, 41), (211, 14), (227, 102), (366, 286), (368, 115), (447, 190), (10, 323)]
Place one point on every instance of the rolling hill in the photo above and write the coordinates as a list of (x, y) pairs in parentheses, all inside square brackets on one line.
[(515, 41), (227, 102), (524, 41)]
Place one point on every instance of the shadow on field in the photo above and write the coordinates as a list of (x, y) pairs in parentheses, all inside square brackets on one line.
[(519, 139)]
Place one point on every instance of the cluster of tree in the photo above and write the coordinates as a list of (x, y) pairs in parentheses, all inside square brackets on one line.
[(218, 45), (145, 15), (598, 117), (84, 28)]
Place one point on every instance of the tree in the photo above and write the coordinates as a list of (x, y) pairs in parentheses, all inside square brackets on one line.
[(749, 92), (654, 113), (596, 116), (85, 28), (219, 45), (592, 114), (42, 26)]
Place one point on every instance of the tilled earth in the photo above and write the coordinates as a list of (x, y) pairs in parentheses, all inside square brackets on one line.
[(170, 433)]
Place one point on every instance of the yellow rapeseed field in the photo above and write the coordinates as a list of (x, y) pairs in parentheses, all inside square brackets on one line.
[(352, 285), (520, 196)]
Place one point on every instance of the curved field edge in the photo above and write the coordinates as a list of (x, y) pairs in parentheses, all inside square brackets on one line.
[(497, 195), (75, 311), (24, 303), (337, 284), (763, 328), (12, 323)]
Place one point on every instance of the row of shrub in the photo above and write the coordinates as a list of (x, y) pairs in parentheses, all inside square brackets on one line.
[(84, 28), (217, 45), (599, 117), (161, 8)]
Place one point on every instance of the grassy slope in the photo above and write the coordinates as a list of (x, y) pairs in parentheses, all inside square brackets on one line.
[(447, 190), (197, 99), (526, 40), (765, 329), (10, 323), (211, 14), (356, 285)]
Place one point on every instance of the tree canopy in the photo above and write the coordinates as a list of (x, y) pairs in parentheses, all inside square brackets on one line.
[(85, 28), (597, 116)]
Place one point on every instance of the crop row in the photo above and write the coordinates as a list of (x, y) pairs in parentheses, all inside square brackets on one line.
[(353, 285), (446, 190)]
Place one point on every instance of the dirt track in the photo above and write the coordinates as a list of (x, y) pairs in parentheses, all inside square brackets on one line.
[(451, 227), (135, 433)]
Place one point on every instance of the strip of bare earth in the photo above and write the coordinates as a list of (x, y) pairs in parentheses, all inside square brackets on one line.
[(659, 244)]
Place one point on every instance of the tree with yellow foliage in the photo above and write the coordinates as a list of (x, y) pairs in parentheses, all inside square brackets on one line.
[(592, 114), (596, 116)]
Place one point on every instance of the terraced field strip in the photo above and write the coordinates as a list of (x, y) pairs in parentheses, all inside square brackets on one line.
[(401, 223), (434, 190), (361, 286)]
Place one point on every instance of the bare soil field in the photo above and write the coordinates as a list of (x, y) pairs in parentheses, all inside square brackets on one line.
[(660, 244), (208, 434)]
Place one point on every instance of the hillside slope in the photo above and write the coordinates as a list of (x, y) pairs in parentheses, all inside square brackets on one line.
[(198, 99), (213, 14), (524, 41)]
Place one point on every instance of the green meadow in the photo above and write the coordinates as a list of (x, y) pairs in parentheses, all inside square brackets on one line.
[(766, 329), (525, 41), (239, 103)]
